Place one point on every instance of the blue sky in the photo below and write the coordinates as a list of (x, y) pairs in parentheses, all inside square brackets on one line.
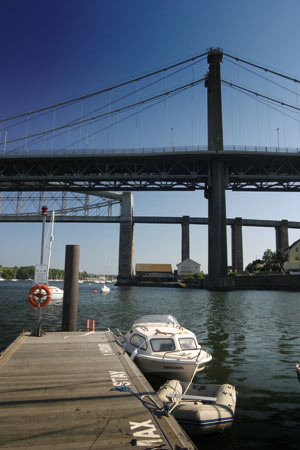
[(53, 51)]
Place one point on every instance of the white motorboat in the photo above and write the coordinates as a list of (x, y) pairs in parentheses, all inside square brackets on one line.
[(199, 408), (105, 289), (56, 293), (159, 345), (298, 370)]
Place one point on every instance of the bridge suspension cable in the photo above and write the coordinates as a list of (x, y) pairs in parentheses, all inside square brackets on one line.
[(111, 102), (265, 69), (106, 114), (110, 88), (258, 94), (259, 75)]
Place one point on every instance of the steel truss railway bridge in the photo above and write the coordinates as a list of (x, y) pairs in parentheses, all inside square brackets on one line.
[(213, 169)]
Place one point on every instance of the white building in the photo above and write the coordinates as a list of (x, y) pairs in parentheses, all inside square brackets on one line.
[(188, 267)]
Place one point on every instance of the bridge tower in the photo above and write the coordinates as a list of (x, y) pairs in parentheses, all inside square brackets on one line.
[(215, 192)]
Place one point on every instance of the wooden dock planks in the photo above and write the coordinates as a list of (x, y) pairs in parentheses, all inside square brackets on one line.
[(55, 393)]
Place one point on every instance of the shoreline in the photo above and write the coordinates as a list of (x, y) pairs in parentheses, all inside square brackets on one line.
[(269, 282)]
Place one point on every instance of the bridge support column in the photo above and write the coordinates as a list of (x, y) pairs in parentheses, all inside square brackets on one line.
[(215, 192), (237, 245), (185, 238), (282, 236), (126, 240)]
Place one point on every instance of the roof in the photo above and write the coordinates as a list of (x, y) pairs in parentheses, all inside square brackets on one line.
[(188, 260), (167, 268), (294, 243)]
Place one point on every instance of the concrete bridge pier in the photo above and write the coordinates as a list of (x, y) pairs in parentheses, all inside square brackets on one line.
[(125, 274), (282, 236), (237, 245), (185, 238)]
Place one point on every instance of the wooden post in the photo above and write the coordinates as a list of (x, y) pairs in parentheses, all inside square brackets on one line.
[(69, 319)]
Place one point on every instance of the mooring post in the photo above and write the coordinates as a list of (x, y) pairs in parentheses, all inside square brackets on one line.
[(69, 319)]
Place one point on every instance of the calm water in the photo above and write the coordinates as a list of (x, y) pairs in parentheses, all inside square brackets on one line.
[(254, 337)]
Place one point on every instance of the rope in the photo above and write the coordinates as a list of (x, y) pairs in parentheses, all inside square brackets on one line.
[(188, 385), (125, 388)]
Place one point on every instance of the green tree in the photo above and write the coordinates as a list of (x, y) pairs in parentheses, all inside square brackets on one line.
[(255, 266), (8, 273), (268, 259), (25, 272), (274, 260)]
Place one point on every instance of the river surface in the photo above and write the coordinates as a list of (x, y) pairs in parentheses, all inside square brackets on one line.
[(254, 337)]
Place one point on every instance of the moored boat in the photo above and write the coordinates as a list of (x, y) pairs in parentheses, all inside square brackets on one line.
[(105, 289), (56, 292), (160, 346), (200, 408), (298, 370)]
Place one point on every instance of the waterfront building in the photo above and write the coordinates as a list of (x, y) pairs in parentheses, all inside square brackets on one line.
[(188, 267), (154, 272), (292, 265)]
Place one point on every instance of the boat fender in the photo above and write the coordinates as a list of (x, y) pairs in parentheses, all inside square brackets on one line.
[(171, 387), (38, 292)]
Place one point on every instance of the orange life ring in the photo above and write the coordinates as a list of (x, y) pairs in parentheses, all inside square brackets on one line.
[(39, 291)]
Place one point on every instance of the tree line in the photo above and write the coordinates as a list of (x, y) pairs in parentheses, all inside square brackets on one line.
[(27, 272), (270, 262)]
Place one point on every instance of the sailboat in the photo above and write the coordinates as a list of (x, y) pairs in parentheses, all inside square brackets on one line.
[(56, 292), (105, 289)]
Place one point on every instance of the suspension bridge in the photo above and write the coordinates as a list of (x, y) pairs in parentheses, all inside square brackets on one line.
[(82, 155)]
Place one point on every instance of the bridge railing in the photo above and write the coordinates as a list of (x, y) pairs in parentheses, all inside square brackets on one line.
[(142, 151)]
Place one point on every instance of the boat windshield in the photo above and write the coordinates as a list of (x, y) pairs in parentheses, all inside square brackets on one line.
[(157, 318), (187, 343), (162, 345)]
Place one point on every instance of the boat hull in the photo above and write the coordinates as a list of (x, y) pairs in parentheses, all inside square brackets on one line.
[(179, 370), (105, 290), (160, 346), (56, 293)]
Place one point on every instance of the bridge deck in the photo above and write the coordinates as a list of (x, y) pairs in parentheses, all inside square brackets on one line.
[(56, 394)]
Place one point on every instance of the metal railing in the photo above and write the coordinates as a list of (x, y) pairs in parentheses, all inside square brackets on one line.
[(143, 151)]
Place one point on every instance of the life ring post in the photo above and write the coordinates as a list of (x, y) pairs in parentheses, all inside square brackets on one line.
[(39, 296)]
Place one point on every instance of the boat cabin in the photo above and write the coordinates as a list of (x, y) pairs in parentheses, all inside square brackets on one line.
[(161, 334)]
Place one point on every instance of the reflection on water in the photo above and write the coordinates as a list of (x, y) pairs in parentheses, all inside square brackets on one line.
[(253, 337)]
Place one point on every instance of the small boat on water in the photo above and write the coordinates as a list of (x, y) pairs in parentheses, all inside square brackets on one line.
[(105, 289), (160, 346), (199, 408), (56, 293), (298, 370)]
